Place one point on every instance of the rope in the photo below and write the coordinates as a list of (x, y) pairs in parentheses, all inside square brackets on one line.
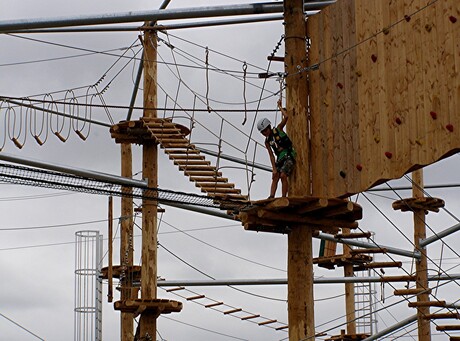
[(245, 67), (207, 78)]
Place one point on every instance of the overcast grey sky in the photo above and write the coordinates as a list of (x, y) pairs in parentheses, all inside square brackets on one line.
[(38, 226)]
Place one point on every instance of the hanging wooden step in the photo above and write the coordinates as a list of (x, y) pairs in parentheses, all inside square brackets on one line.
[(442, 316), (155, 306), (194, 173), (221, 190), (180, 157), (427, 304), (187, 162), (197, 168), (415, 291), (448, 327), (171, 152), (208, 179), (214, 184)]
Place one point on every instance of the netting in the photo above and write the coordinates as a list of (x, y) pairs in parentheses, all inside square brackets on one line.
[(51, 179)]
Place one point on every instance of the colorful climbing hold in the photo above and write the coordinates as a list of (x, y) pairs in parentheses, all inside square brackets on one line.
[(340, 85), (389, 155), (434, 115), (343, 174), (407, 18), (453, 19), (359, 167), (374, 58), (450, 127), (398, 120)]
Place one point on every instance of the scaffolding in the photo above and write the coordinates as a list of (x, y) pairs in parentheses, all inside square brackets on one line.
[(88, 286)]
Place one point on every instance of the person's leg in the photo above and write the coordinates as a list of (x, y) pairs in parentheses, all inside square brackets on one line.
[(284, 184), (274, 186)]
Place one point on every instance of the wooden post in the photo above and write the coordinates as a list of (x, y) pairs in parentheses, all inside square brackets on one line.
[(126, 247), (147, 323), (421, 267), (300, 255), (349, 291)]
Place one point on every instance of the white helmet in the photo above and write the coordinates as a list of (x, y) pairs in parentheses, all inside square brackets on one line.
[(263, 124)]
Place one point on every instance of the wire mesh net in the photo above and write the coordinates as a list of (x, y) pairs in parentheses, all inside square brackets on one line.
[(51, 179)]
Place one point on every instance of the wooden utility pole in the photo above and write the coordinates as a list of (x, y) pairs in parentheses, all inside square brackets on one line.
[(421, 266), (300, 256), (126, 246), (147, 323)]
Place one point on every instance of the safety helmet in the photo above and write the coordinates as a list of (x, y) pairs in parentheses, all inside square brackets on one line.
[(263, 124)]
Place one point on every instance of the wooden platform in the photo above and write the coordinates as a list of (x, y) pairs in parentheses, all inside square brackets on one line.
[(340, 260), (278, 215), (133, 272), (157, 306), (412, 204)]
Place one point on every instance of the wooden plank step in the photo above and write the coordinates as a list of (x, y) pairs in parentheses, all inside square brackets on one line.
[(267, 322), (442, 316), (232, 311), (182, 151), (181, 145), (214, 185), (192, 162), (215, 304), (163, 130), (244, 318), (415, 291), (228, 196), (202, 173), (160, 125), (186, 157), (448, 327), (197, 168), (221, 190), (427, 304), (209, 179), (165, 141)]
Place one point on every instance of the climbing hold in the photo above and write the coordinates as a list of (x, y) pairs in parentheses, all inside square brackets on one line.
[(453, 19), (343, 174), (407, 18), (340, 85), (418, 142), (398, 120), (389, 155), (359, 73), (428, 28), (433, 115), (386, 30), (359, 167), (450, 127), (376, 139), (374, 58)]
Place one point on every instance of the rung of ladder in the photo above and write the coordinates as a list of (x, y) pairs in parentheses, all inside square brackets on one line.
[(427, 304), (197, 297), (197, 167), (448, 327), (176, 145), (231, 311), (201, 173), (228, 196), (208, 185), (250, 317), (191, 162), (267, 322), (415, 291), (173, 140), (220, 190), (282, 327), (210, 179), (442, 316), (215, 304), (182, 151), (186, 157), (175, 289), (163, 131)]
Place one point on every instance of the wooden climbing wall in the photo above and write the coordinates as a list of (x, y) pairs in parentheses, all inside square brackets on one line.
[(385, 98)]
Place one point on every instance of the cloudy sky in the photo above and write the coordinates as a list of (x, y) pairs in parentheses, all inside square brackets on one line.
[(37, 230)]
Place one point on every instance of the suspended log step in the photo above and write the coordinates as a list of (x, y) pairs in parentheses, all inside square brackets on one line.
[(425, 203), (448, 327), (156, 306), (279, 214), (415, 291), (442, 316), (427, 304)]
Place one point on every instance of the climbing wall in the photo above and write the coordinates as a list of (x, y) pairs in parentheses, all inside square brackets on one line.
[(385, 96)]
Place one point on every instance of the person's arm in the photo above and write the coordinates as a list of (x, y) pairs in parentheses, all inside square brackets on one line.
[(272, 156), (285, 115)]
